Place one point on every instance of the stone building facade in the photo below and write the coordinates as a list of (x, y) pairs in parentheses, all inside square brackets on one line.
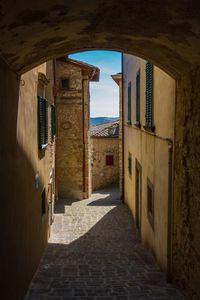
[(73, 138), (149, 116), (105, 154), (118, 79)]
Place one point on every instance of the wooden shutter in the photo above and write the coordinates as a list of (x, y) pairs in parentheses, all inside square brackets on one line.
[(149, 95), (40, 113), (138, 98), (129, 102), (45, 102)]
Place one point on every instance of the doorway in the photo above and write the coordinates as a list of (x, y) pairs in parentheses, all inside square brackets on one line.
[(138, 194)]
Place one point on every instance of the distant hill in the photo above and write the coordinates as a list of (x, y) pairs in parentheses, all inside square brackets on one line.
[(100, 120)]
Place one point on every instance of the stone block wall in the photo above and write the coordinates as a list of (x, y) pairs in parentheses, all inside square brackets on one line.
[(121, 172), (186, 204), (103, 175), (72, 151)]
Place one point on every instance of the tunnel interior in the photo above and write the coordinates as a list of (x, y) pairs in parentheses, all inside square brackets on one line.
[(166, 34)]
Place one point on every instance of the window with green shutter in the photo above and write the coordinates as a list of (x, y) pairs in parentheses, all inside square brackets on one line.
[(137, 108), (42, 122), (129, 104), (149, 97), (53, 121)]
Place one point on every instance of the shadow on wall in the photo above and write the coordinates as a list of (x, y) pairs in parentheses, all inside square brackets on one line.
[(107, 261), (22, 230)]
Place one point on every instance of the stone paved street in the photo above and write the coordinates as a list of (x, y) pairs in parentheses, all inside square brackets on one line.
[(94, 253)]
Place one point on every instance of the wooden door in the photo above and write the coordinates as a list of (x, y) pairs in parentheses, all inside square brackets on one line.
[(138, 191)]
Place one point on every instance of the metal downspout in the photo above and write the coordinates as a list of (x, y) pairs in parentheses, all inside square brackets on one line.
[(122, 193), (83, 135)]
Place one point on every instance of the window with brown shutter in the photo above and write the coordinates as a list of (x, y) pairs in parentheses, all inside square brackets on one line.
[(109, 160)]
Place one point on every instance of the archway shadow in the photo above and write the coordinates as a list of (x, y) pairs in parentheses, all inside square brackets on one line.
[(107, 262)]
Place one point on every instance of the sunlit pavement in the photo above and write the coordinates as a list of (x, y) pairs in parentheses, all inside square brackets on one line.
[(95, 253)]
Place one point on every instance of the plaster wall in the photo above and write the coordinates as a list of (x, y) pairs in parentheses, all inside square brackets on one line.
[(103, 175), (151, 151), (23, 228), (121, 175), (72, 151)]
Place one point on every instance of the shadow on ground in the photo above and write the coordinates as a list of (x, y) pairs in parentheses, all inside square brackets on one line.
[(108, 262), (106, 197)]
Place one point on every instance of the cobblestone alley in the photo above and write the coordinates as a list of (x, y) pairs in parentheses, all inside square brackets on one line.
[(94, 253)]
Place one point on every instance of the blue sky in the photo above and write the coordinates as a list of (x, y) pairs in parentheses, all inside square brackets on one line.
[(104, 95)]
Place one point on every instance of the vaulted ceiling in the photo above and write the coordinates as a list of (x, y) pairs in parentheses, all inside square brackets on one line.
[(166, 33)]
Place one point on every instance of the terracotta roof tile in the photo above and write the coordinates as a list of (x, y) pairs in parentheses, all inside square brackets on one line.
[(110, 129)]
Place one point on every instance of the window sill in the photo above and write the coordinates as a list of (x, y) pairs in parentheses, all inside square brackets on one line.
[(138, 125), (44, 146), (150, 129)]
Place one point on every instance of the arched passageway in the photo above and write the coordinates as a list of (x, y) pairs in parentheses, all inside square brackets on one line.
[(166, 34)]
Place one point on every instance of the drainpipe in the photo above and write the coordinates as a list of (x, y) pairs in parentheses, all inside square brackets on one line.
[(83, 135), (122, 122), (55, 98), (170, 210)]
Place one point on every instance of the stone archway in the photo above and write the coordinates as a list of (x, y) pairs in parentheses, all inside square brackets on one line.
[(167, 34)]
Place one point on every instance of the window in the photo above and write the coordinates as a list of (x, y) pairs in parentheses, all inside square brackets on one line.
[(130, 164), (150, 203), (137, 108), (53, 121), (42, 122), (109, 160), (43, 203), (129, 103), (65, 83), (149, 97)]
